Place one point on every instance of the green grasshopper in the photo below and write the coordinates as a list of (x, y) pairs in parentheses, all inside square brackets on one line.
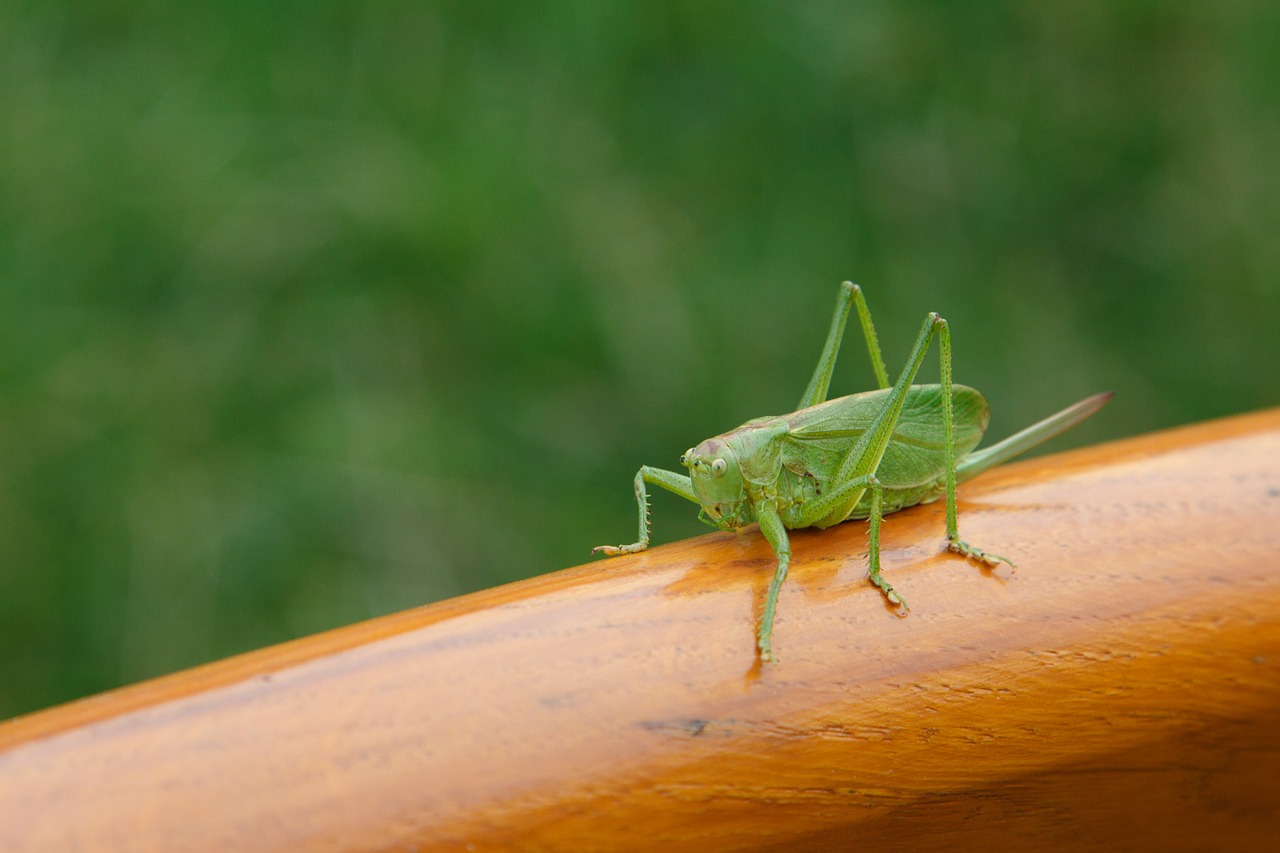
[(860, 456)]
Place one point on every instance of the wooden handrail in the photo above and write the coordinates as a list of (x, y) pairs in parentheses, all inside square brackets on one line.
[(1121, 689)]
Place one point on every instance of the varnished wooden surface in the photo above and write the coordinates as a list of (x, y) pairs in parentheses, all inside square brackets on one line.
[(1120, 691)]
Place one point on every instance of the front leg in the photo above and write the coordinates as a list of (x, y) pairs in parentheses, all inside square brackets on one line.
[(668, 480), (776, 534)]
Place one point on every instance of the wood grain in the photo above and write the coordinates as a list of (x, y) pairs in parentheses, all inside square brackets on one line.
[(1121, 690)]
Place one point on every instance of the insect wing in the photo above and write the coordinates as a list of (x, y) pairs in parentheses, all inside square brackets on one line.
[(916, 454)]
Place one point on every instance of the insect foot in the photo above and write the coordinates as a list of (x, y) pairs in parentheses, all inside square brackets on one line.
[(891, 595), (965, 549), (615, 550)]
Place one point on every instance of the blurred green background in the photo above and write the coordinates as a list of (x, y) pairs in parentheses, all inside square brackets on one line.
[(310, 312)]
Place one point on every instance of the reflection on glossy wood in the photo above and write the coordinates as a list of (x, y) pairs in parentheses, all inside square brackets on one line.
[(1120, 690)]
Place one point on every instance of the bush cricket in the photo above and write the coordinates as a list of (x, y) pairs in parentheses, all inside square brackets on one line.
[(860, 456)]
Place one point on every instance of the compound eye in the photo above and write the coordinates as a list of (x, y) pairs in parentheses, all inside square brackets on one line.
[(718, 467)]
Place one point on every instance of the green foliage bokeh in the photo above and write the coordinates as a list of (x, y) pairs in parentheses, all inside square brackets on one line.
[(314, 311)]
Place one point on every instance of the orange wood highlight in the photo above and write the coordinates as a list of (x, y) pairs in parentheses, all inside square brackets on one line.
[(1120, 691)]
